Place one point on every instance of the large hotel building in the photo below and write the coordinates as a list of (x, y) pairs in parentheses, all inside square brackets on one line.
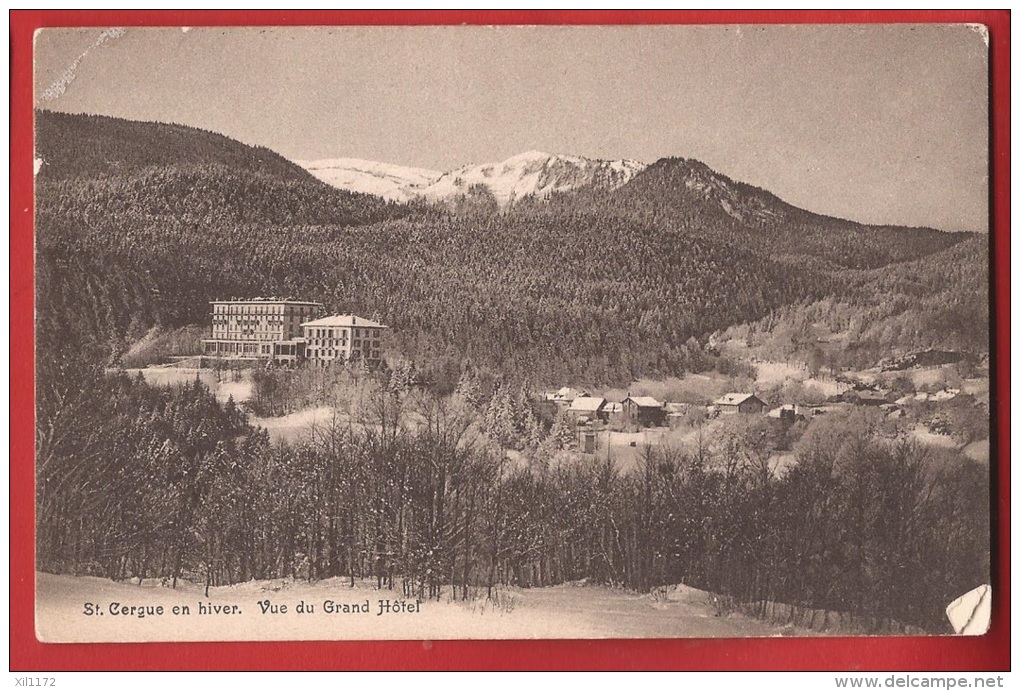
[(290, 331)]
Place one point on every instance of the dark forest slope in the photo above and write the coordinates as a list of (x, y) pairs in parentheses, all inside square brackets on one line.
[(96, 146), (938, 302)]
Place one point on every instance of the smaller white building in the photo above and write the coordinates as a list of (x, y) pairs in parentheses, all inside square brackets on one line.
[(344, 338)]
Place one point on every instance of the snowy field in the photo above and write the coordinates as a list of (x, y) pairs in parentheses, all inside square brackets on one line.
[(222, 384), (295, 427), (234, 613)]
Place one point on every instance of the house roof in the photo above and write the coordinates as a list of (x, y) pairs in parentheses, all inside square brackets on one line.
[(587, 404), (644, 401), (344, 320), (735, 398), (613, 407), (870, 395)]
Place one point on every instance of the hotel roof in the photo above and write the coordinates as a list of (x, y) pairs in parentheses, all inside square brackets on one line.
[(345, 320), (265, 301)]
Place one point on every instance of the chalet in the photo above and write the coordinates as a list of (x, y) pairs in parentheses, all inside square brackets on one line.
[(586, 408), (733, 403), (644, 411), (810, 411)]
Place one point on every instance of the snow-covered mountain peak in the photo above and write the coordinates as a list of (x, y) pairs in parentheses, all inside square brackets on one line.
[(532, 173)]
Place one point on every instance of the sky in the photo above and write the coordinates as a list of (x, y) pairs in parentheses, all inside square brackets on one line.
[(878, 124)]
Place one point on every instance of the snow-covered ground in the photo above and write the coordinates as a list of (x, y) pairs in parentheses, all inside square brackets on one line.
[(296, 426), (566, 611), (222, 384), (978, 451), (923, 435)]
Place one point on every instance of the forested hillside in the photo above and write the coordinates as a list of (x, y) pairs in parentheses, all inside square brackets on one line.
[(544, 293), (93, 146), (591, 287), (936, 302)]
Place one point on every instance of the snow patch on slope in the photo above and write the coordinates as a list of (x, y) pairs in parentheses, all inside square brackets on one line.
[(396, 183), (533, 173)]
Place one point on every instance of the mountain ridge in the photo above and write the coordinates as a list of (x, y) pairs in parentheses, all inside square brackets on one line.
[(531, 173)]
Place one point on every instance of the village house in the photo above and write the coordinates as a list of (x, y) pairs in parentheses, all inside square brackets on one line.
[(586, 409), (343, 338), (733, 403), (788, 412), (676, 414), (562, 399), (262, 328), (612, 412), (644, 411)]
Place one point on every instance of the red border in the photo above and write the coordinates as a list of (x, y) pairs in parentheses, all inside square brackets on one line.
[(989, 652)]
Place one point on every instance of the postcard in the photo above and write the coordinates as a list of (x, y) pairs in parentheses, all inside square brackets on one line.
[(512, 332)]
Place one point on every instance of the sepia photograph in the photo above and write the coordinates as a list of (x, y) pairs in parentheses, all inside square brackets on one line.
[(512, 332)]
